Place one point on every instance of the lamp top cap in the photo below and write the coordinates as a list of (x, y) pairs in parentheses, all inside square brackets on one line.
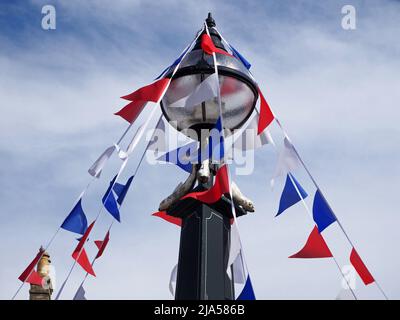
[(210, 21)]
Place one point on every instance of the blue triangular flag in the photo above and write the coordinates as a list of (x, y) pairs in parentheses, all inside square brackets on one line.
[(111, 205), (290, 195), (174, 63), (322, 213), (118, 188), (109, 189), (109, 201), (76, 220), (216, 141), (122, 193), (247, 292), (240, 57), (181, 156)]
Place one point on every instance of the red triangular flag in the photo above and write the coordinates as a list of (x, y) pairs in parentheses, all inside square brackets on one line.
[(101, 245), (84, 237), (221, 186), (151, 92), (266, 115), (29, 269), (83, 261), (315, 247), (208, 46), (34, 278), (131, 111), (167, 217), (361, 268)]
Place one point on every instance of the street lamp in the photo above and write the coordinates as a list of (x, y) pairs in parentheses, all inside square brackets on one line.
[(205, 233)]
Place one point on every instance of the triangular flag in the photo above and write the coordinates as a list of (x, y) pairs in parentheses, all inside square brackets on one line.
[(172, 279), (266, 115), (101, 244), (315, 247), (121, 190), (250, 140), (76, 221), (98, 165), (239, 272), (181, 156), (80, 294), (361, 268), (287, 162), (220, 187), (167, 217), (178, 60), (237, 55), (29, 269), (290, 196), (158, 141), (109, 201), (345, 294), (208, 46), (322, 213), (83, 239), (123, 155), (206, 90), (247, 292), (35, 278), (82, 259), (151, 92)]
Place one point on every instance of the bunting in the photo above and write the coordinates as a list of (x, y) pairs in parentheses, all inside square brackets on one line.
[(220, 187), (97, 167), (76, 221), (206, 90), (80, 294), (322, 213), (30, 268), (238, 56), (101, 244), (80, 255), (266, 115), (181, 156), (163, 215), (35, 278), (288, 161), (209, 48), (290, 195), (140, 97), (361, 268), (315, 247), (109, 200), (247, 292)]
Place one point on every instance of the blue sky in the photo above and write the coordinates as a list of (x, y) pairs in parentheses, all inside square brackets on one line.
[(335, 91)]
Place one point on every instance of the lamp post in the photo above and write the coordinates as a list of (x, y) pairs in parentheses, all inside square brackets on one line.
[(205, 233)]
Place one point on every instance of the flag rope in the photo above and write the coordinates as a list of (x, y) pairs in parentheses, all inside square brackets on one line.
[(243, 260), (126, 160), (318, 188), (294, 184), (52, 239)]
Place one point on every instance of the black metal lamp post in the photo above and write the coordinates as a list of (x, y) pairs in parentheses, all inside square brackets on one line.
[(205, 233)]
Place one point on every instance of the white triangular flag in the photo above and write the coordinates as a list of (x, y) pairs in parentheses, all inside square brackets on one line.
[(123, 155), (345, 294), (80, 294), (172, 280), (158, 142), (239, 273), (250, 140), (98, 165), (205, 91), (287, 160)]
